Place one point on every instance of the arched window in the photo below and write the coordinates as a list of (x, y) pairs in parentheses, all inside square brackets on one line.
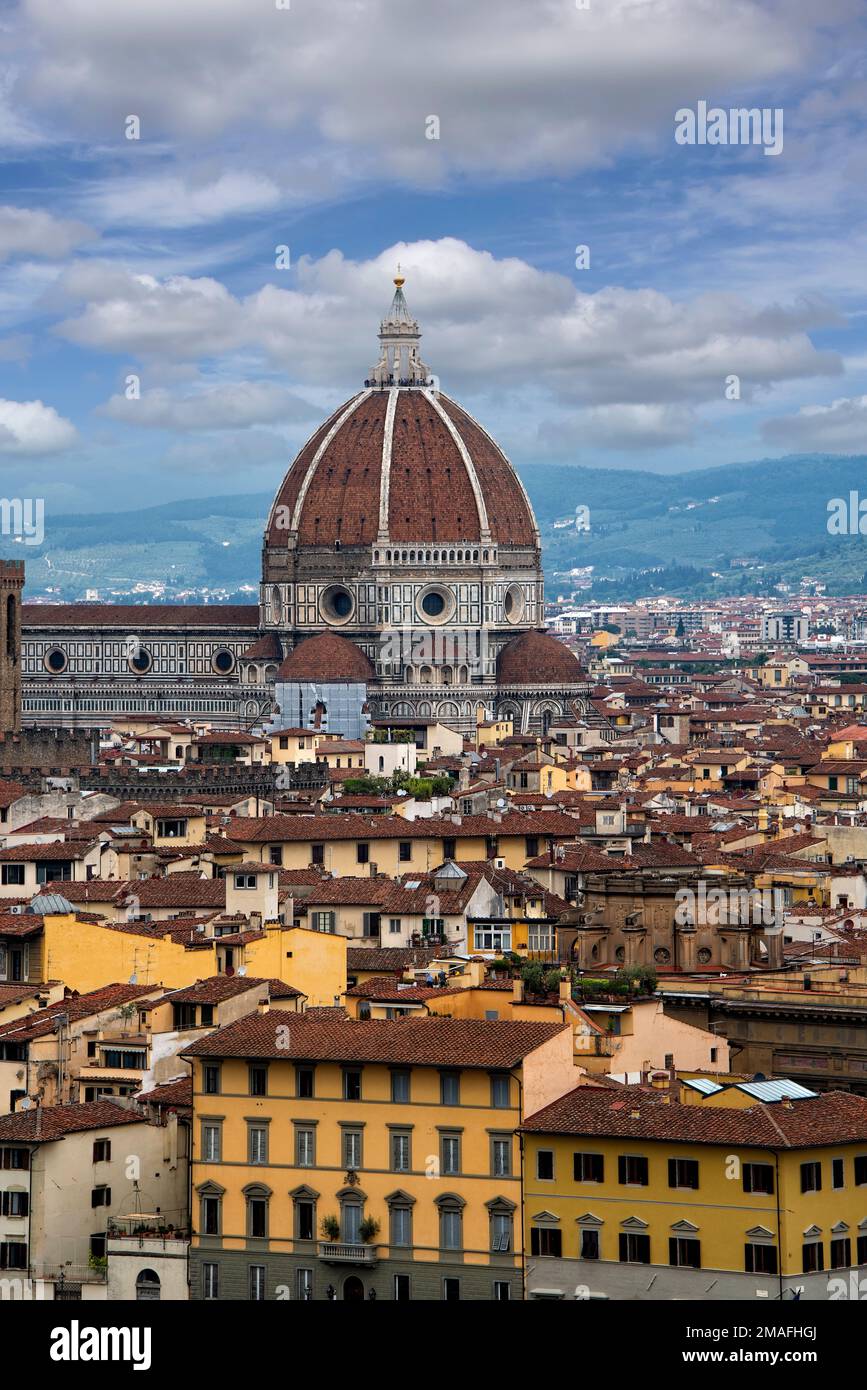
[(147, 1286), (11, 645)]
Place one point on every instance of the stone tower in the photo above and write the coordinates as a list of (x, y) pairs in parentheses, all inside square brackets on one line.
[(11, 585)]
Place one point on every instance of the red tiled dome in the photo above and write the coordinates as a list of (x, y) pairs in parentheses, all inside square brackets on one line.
[(326, 657), (536, 658), (407, 462)]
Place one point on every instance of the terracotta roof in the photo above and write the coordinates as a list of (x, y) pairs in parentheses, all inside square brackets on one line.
[(10, 792), (432, 1042), (326, 657), (633, 1112), (132, 616), (43, 1123), (74, 1007), (537, 658), (390, 958), (177, 1094)]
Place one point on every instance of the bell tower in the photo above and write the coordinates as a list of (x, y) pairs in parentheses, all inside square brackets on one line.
[(11, 585)]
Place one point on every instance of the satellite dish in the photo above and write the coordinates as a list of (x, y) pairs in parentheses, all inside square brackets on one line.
[(25, 1103), (133, 979), (501, 801), (242, 970)]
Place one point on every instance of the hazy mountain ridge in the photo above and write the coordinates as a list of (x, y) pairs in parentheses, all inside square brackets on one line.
[(772, 511)]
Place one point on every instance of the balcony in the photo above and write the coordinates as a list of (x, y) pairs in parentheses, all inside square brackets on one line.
[(337, 1253)]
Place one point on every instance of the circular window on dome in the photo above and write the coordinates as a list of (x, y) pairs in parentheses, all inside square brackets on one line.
[(223, 661), (661, 955), (435, 604), (141, 662), (337, 604), (56, 661), (704, 955), (514, 604)]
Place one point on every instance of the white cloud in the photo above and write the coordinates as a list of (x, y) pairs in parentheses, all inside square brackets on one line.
[(175, 200), (518, 88), (32, 428), (838, 428), (488, 325), (32, 232), (231, 405)]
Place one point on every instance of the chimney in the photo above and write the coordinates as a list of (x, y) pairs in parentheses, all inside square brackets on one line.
[(517, 990)]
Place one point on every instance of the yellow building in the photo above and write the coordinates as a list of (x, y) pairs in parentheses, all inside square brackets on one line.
[(375, 1159), (630, 1194), (85, 954)]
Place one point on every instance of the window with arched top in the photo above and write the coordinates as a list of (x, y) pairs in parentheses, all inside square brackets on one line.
[(147, 1286), (11, 644)]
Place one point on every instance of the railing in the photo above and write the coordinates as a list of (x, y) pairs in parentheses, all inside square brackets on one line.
[(336, 1252)]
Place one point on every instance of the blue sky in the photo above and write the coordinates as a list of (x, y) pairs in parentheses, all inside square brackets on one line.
[(307, 126)]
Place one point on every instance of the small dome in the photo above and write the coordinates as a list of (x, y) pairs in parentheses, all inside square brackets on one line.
[(326, 657), (536, 658)]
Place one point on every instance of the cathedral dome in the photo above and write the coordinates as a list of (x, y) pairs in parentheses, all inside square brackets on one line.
[(326, 658), (401, 463), (536, 658)]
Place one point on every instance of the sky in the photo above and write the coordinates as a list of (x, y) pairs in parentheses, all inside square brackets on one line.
[(204, 204)]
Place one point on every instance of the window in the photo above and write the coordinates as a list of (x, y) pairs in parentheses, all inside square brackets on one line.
[(394, 926), (451, 1290), (100, 1197), (838, 1175), (684, 1253), (760, 1259), (210, 1281), (14, 1204), (401, 1288), (531, 845), (758, 1177), (351, 1083), (588, 1167), (257, 1283), (317, 854), (305, 1219), (211, 1212), (405, 851), (450, 848), (257, 1144), (350, 1222), (634, 1249), (632, 1170), (589, 1245), (323, 921), (275, 855), (211, 1143), (862, 1250), (400, 1220), (545, 1165), (304, 1082), (501, 1156), (257, 1218), (370, 923), (490, 938), (811, 1177), (12, 874), (400, 1087), (841, 1252), (211, 1079), (860, 1169), (683, 1172), (451, 1228), (258, 1080), (101, 1150), (813, 1257), (305, 1147), (500, 1091), (400, 1151), (450, 1154), (501, 1231), (351, 1149), (304, 1284), (546, 1240), (450, 1088), (14, 1158), (362, 853)]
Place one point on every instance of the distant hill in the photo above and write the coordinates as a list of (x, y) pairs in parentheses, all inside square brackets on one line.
[(751, 524)]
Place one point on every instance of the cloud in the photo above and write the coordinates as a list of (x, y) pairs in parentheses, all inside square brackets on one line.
[(518, 89), (838, 428), (32, 428), (489, 324), (32, 232), (621, 427), (231, 405), (179, 200)]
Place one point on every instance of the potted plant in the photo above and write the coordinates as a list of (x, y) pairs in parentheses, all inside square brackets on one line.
[(369, 1229), (330, 1228)]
